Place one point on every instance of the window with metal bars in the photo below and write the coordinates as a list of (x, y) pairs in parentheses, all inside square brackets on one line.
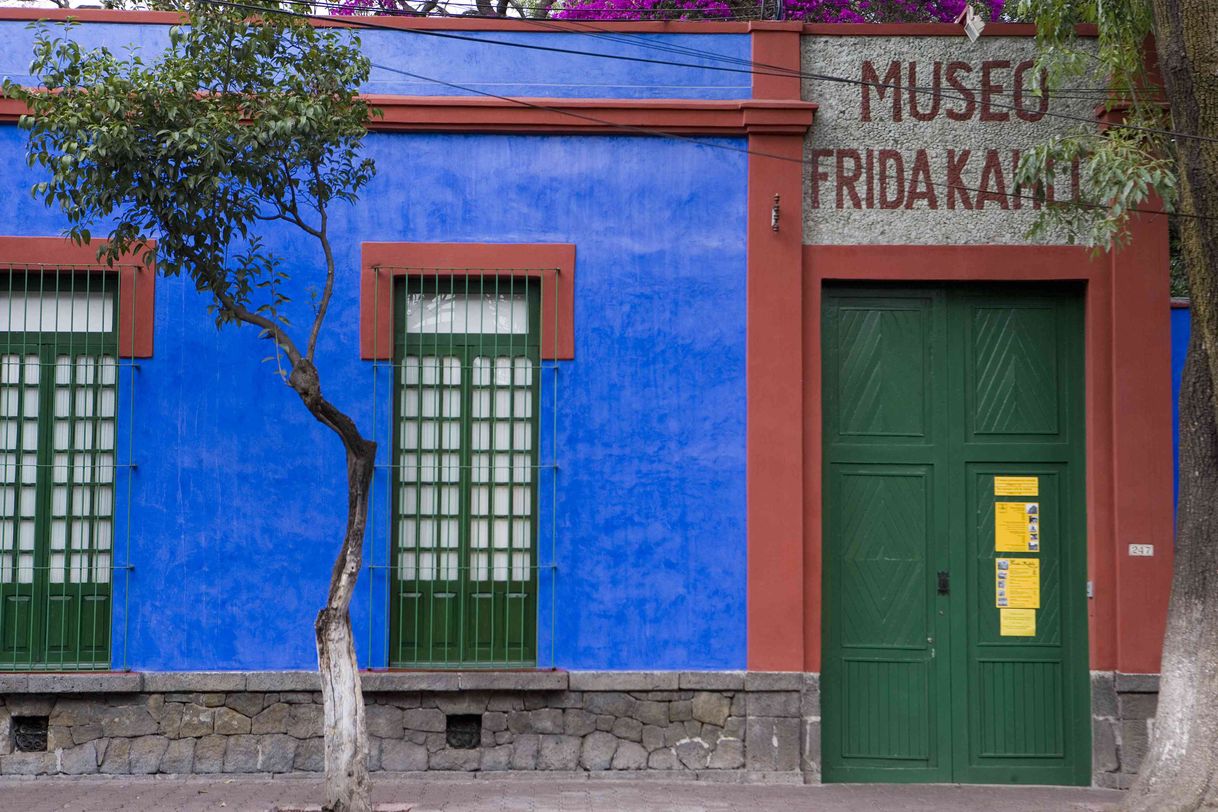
[(58, 414), (464, 550)]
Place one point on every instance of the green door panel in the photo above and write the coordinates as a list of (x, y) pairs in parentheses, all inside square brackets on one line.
[(929, 393)]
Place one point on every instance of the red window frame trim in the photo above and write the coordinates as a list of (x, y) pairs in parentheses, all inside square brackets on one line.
[(136, 286), (381, 262)]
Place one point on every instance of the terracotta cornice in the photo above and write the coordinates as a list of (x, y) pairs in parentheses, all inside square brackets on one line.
[(594, 116)]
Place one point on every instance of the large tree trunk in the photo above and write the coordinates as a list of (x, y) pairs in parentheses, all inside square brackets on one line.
[(346, 740), (1181, 770)]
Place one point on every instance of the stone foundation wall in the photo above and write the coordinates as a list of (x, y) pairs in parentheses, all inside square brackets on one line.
[(1122, 718), (757, 726)]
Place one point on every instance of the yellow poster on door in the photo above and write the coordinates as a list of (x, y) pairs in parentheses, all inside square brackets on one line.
[(1017, 622), (1017, 583), (1016, 527), (1016, 486)]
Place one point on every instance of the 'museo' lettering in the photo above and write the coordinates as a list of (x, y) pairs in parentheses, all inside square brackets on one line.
[(956, 90), (892, 179)]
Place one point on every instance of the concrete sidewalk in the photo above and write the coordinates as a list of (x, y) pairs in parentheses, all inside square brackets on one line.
[(535, 794)]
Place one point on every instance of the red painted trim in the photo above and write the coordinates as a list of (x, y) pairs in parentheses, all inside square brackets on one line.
[(136, 285), (775, 468), (1128, 414), (1181, 303), (594, 116), (553, 263), (1142, 442), (930, 30), (418, 23), (466, 114)]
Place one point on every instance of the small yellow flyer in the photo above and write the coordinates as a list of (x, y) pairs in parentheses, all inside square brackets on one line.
[(1017, 527), (1016, 486), (1017, 583), (1017, 622)]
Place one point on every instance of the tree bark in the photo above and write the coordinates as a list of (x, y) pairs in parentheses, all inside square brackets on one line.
[(1181, 768), (347, 787)]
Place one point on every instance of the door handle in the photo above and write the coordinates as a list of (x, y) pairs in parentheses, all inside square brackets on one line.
[(945, 583)]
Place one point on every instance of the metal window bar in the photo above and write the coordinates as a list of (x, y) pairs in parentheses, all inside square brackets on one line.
[(60, 382), (462, 523)]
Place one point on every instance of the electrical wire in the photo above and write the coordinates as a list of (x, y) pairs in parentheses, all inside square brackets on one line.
[(367, 23)]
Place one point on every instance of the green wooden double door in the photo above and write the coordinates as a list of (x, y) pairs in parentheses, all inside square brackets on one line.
[(941, 402)]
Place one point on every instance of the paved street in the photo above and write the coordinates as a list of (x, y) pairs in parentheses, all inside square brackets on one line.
[(533, 795)]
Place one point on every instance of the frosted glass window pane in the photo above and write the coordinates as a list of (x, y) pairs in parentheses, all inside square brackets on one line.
[(521, 537), (499, 533), (503, 372), (522, 501), (524, 372), (520, 566), (25, 536), (427, 566), (481, 436), (523, 439), (79, 567), (479, 534), (7, 501), (57, 563), (109, 371), (29, 434), (448, 566), (59, 501), (8, 468), (524, 404), (481, 468), (10, 369), (101, 569), (106, 403), (8, 535), (410, 369), (105, 467), (25, 569), (84, 371), (445, 313), (60, 436), (406, 566), (29, 468), (407, 533), (63, 370), (102, 536), (10, 400), (502, 500), (478, 500), (503, 437), (33, 366), (8, 434), (452, 371), (54, 312), (427, 533), (449, 533), (28, 501), (482, 371), (523, 470), (481, 567), (500, 566), (31, 402), (6, 569), (451, 470), (408, 501), (450, 501), (84, 403), (105, 434)]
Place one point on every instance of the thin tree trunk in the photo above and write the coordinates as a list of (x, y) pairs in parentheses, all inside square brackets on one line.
[(347, 788), (1181, 767)]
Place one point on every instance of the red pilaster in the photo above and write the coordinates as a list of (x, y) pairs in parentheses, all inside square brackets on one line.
[(776, 576)]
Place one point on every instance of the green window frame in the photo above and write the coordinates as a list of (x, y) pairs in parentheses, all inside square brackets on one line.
[(463, 567), (58, 457)]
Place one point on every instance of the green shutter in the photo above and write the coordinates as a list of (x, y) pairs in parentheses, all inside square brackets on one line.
[(58, 413), (464, 551), (929, 393)]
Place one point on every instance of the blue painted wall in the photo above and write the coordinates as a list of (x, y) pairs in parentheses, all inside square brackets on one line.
[(1180, 331), (239, 496)]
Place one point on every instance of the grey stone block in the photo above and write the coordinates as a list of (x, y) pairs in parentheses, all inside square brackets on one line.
[(681, 710), (576, 722), (209, 700), (772, 744), (694, 754), (170, 719), (624, 680), (713, 709), (246, 703), (524, 752), (558, 753), (305, 721), (394, 682), (728, 755), (27, 764), (71, 712), (32, 705), (115, 760), (229, 722), (782, 703), (773, 681), (384, 721), (1104, 757), (300, 697), (597, 751), (1137, 683), (145, 755), (209, 754), (546, 720), (179, 757), (197, 721), (276, 753), (651, 713), (712, 680), (497, 759), (403, 756), (128, 721), (629, 729), (1114, 780), (605, 722), (80, 733), (495, 722), (809, 700), (505, 702), (14, 683), (193, 681), (241, 754), (462, 702), (311, 756), (653, 737), (513, 680), (1138, 706), (460, 760), (426, 719), (109, 683), (810, 757), (273, 719), (1103, 695), (663, 759), (282, 681), (80, 760), (629, 756), (610, 703)]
